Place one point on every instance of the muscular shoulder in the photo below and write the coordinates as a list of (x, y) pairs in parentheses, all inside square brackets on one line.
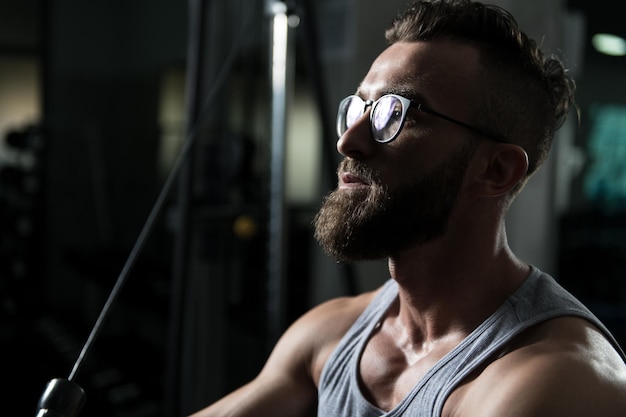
[(289, 377), (311, 339), (564, 367)]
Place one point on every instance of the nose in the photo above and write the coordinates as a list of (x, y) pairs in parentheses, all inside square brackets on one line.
[(357, 141)]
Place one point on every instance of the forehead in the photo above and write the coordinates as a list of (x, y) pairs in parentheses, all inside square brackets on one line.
[(433, 70)]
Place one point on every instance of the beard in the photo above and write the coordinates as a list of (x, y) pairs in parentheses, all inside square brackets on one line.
[(376, 222)]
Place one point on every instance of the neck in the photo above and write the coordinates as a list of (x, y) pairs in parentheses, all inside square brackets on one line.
[(450, 286)]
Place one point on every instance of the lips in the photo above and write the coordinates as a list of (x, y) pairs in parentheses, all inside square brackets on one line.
[(347, 179), (355, 174)]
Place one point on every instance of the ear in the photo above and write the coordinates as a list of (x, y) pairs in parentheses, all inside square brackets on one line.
[(503, 167)]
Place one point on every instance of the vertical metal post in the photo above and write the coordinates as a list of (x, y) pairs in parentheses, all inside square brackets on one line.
[(178, 378), (281, 84)]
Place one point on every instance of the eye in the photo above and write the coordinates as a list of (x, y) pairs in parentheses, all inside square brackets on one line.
[(396, 114)]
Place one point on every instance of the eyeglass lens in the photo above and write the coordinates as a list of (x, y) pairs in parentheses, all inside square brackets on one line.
[(354, 109), (386, 117)]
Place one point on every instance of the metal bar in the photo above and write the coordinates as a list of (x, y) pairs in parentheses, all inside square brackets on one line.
[(176, 379), (281, 84)]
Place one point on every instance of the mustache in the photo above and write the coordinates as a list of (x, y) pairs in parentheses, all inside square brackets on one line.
[(361, 170)]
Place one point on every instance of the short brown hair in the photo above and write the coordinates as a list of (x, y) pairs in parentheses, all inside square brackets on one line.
[(527, 94)]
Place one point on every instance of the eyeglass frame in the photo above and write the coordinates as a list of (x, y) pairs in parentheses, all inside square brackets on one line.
[(406, 104)]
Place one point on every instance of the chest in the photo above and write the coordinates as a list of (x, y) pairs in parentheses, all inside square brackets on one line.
[(389, 371)]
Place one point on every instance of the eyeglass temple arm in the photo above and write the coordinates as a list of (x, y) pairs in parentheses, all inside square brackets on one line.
[(478, 130)]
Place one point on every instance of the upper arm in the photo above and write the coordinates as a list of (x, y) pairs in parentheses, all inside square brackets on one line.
[(555, 384), (286, 386), (266, 395), (558, 392), (282, 388)]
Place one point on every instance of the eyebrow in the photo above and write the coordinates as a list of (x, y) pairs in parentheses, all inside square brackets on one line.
[(405, 88)]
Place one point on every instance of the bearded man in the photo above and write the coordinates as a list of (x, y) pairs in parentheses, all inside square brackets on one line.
[(443, 132)]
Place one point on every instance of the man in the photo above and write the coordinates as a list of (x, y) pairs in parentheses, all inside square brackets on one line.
[(445, 129)]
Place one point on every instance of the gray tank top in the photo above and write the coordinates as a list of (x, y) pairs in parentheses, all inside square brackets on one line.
[(538, 299)]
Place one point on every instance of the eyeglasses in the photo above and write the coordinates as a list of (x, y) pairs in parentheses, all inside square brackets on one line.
[(388, 115)]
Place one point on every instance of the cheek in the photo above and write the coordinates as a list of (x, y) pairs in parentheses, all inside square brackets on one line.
[(411, 161), (404, 170)]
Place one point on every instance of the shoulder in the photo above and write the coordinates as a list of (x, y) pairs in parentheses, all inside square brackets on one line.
[(563, 367), (289, 375), (310, 340)]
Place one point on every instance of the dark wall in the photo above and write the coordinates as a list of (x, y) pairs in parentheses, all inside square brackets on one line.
[(101, 65), (102, 69)]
